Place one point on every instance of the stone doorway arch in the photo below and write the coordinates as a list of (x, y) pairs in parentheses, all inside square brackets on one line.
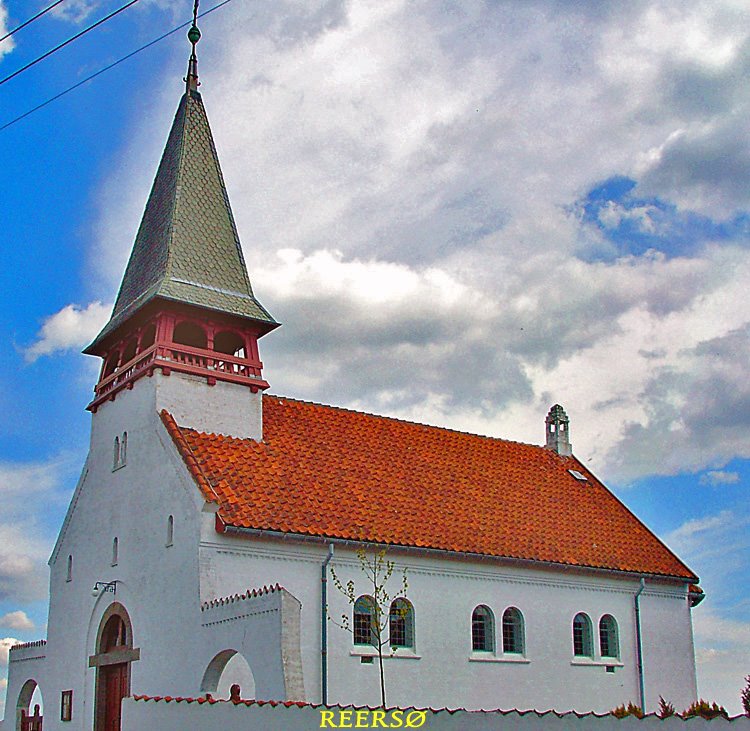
[(114, 655), (228, 668), (26, 720)]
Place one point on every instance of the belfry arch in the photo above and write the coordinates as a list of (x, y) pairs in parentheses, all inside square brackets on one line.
[(113, 658)]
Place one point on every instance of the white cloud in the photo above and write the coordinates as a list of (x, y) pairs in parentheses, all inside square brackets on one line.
[(5, 644), (17, 620), (71, 327), (427, 185), (719, 477), (24, 545), (8, 44)]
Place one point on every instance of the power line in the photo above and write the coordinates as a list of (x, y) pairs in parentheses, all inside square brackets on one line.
[(31, 20), (70, 40), (107, 68)]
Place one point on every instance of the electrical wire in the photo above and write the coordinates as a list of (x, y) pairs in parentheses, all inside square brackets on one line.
[(31, 20), (70, 40), (107, 68)]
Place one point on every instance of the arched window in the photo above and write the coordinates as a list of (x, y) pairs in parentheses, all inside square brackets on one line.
[(582, 642), (482, 629), (609, 643), (513, 632), (115, 634), (364, 621), (115, 549), (229, 343), (69, 573), (123, 448), (401, 623), (170, 530), (188, 333), (116, 454)]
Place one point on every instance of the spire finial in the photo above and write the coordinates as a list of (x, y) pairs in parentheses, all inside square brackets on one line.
[(194, 35)]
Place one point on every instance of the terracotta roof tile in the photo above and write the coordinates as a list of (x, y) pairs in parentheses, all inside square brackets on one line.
[(330, 472)]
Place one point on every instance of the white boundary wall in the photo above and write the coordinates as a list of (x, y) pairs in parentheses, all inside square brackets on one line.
[(193, 716)]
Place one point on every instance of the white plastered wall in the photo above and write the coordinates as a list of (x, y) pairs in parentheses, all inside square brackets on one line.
[(443, 672)]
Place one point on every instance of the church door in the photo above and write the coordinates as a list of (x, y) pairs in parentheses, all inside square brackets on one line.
[(115, 653), (115, 683)]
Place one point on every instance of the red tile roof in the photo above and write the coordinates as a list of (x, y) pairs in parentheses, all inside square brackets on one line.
[(326, 471)]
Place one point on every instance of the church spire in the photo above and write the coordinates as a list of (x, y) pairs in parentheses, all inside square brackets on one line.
[(185, 304), (194, 35)]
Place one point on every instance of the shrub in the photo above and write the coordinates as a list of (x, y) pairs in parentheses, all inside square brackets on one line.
[(704, 709), (630, 710), (665, 709)]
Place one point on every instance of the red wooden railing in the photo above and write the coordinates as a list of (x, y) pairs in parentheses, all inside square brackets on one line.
[(184, 358)]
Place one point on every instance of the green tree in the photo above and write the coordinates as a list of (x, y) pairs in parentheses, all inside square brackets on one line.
[(666, 709), (378, 570), (704, 709), (745, 696), (630, 710)]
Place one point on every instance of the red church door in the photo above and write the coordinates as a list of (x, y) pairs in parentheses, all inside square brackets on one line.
[(115, 688)]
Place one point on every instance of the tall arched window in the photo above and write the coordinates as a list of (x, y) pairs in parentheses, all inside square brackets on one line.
[(170, 530), (123, 448), (582, 641), (609, 643), (482, 629), (513, 632), (69, 572), (116, 454), (364, 621), (115, 551), (401, 623)]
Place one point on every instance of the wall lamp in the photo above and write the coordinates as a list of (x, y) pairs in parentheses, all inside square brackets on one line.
[(101, 586)]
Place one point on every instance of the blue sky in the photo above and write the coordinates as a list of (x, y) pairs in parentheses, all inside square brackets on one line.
[(461, 212)]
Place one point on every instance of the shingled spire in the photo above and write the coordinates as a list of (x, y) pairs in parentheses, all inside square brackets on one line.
[(186, 295)]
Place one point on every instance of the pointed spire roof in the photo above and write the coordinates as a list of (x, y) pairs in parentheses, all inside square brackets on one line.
[(187, 248)]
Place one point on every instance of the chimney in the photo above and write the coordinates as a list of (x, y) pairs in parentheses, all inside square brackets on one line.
[(558, 431)]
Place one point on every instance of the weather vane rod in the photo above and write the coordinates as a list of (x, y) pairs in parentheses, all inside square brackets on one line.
[(194, 35)]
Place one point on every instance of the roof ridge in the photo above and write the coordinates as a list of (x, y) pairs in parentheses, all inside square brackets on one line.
[(404, 421)]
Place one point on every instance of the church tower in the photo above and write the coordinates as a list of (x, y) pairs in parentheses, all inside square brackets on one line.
[(186, 320)]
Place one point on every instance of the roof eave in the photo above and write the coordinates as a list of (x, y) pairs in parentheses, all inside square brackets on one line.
[(223, 527)]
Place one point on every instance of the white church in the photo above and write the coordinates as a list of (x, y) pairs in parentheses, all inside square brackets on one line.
[(199, 544)]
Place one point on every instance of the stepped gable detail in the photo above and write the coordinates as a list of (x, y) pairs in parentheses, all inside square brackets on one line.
[(333, 473)]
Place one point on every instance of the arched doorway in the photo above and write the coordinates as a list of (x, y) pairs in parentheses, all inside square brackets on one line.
[(115, 653), (228, 668), (29, 707)]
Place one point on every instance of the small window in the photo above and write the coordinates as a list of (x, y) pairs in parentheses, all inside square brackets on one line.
[(69, 574), (482, 630), (401, 624), (120, 451), (114, 551), (364, 622), (170, 530), (66, 705), (513, 631), (582, 644), (609, 643)]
